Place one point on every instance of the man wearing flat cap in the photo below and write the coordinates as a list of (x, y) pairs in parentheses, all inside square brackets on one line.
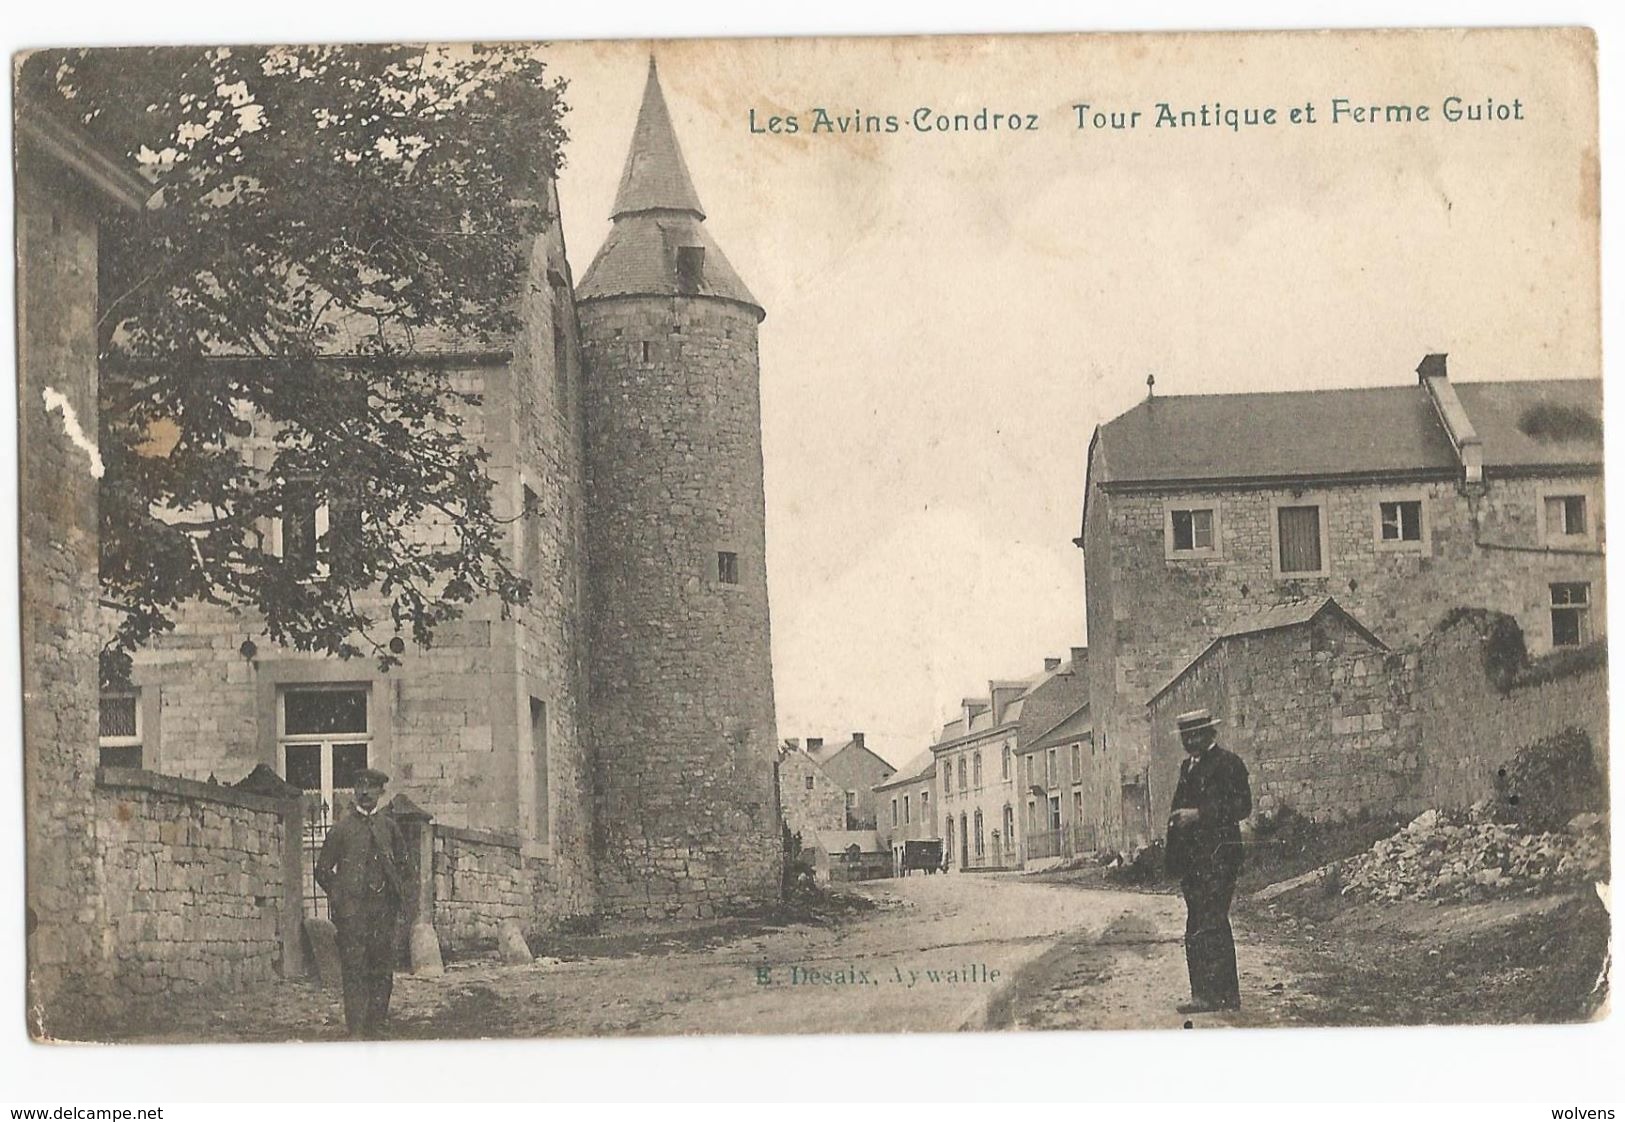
[(361, 868), (1204, 851)]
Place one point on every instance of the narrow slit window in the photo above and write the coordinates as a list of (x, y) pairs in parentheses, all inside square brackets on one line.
[(727, 567)]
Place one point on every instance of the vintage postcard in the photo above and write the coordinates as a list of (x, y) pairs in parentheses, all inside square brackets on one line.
[(812, 535)]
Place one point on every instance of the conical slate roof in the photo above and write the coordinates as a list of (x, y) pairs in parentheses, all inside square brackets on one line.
[(657, 212), (655, 176)]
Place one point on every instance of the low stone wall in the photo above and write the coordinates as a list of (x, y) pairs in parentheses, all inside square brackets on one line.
[(200, 886), (1471, 726), (481, 879)]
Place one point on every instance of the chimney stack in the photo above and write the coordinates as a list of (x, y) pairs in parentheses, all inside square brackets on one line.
[(1080, 659), (814, 743), (1433, 366), (1052, 664), (857, 738)]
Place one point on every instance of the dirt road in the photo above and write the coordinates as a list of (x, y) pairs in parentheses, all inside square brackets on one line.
[(936, 954)]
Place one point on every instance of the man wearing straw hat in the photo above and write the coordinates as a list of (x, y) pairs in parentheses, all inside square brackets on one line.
[(1204, 851)]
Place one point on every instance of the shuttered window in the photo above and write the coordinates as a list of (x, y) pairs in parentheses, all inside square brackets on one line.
[(1299, 539)]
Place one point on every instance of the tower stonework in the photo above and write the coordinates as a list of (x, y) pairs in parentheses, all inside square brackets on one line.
[(680, 675)]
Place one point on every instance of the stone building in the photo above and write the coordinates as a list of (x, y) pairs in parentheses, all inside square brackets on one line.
[(978, 768), (905, 807), (1320, 710), (813, 803), (65, 187), (1402, 502), (854, 768), (1334, 725), (616, 733)]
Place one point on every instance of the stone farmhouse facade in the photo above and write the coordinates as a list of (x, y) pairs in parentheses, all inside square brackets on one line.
[(1203, 514), (616, 733)]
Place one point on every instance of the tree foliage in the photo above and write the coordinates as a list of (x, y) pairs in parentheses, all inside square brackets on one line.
[(324, 220)]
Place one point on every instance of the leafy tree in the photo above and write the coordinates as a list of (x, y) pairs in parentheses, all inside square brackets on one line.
[(324, 219)]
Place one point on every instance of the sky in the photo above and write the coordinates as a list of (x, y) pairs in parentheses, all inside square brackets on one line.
[(949, 315)]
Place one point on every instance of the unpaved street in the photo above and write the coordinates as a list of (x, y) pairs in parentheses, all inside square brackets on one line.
[(937, 954)]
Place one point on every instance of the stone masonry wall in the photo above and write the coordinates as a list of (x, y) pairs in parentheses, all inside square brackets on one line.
[(1470, 727), (197, 881), (56, 332), (811, 801), (1332, 727), (458, 726), (1149, 616), (681, 677), (1326, 723)]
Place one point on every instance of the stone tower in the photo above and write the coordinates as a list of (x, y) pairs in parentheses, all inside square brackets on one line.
[(680, 708)]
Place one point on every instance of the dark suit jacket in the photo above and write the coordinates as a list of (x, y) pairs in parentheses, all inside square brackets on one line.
[(1216, 785), (362, 867)]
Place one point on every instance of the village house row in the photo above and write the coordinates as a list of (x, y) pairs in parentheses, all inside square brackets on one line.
[(1291, 561)]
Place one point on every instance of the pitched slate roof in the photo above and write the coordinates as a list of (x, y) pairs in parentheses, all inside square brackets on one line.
[(656, 212), (655, 176), (1507, 417), (916, 769), (1294, 613), (1385, 430), (1071, 728)]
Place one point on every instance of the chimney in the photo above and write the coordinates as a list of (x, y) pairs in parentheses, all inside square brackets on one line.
[(690, 267), (1052, 664), (793, 743), (1458, 426), (857, 738), (1080, 659), (814, 743)]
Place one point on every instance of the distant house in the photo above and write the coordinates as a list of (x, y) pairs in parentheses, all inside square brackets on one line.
[(906, 812), (983, 791), (1402, 502), (810, 800), (855, 769)]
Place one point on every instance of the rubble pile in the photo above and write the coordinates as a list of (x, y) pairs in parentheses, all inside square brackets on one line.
[(1444, 857)]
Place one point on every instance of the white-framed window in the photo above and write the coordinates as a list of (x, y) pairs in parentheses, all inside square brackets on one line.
[(1054, 812), (894, 812), (312, 534), (947, 777), (907, 815), (1401, 523), (118, 737), (1571, 613), (1049, 768), (925, 804), (1299, 538), (809, 783), (1077, 762), (980, 841), (324, 740), (964, 785), (1004, 763), (1568, 515), (1190, 530), (976, 767)]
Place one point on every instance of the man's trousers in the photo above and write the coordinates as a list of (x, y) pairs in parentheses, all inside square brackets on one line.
[(1210, 948), (367, 962)]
